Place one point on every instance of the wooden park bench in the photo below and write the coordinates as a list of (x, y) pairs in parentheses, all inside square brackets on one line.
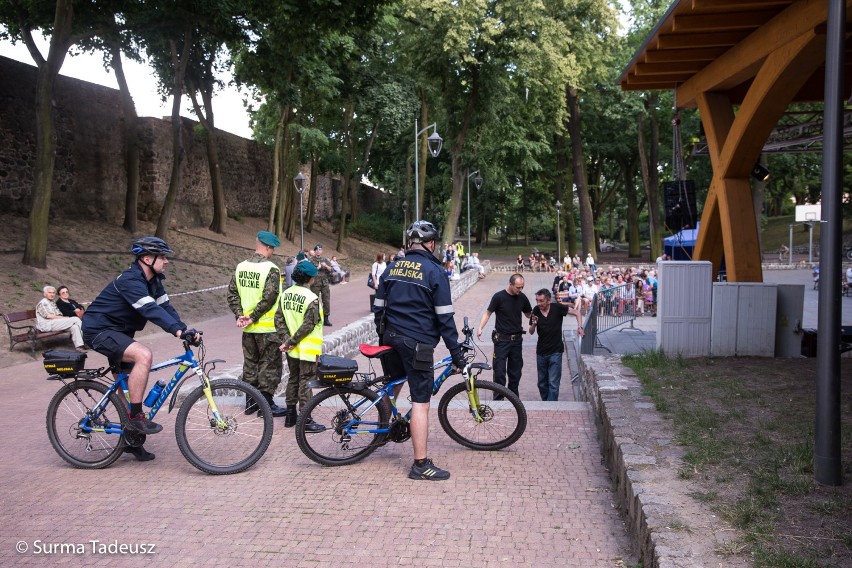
[(22, 329)]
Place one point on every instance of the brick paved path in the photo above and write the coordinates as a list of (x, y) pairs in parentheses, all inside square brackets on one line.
[(543, 502)]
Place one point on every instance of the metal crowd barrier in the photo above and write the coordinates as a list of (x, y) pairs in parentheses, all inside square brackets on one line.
[(611, 308)]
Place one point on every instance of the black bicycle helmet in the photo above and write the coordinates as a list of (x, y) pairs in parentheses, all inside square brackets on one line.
[(422, 232), (150, 245)]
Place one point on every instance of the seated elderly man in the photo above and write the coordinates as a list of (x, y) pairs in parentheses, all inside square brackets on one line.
[(49, 318)]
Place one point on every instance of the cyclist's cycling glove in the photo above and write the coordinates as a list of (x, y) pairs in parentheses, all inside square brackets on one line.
[(191, 336)]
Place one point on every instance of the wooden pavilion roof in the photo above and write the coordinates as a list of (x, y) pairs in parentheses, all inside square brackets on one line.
[(694, 34)]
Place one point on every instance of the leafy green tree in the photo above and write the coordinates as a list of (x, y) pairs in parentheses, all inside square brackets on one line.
[(291, 62), (67, 23), (471, 54)]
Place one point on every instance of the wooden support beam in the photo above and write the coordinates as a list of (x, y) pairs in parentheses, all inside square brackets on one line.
[(703, 22), (712, 39), (779, 79), (675, 68), (734, 143), (699, 54)]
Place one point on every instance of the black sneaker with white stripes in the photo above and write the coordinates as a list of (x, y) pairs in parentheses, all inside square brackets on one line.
[(428, 471)]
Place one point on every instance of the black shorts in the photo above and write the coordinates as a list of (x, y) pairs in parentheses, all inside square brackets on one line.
[(111, 344), (420, 383)]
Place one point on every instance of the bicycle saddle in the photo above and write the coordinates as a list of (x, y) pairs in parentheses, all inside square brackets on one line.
[(373, 351)]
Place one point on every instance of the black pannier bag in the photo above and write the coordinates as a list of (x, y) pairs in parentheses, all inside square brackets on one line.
[(333, 370), (63, 363)]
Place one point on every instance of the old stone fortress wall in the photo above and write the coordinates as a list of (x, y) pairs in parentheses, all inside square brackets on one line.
[(89, 179)]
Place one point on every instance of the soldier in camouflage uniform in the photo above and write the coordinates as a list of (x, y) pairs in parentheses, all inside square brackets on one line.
[(253, 298), (321, 286)]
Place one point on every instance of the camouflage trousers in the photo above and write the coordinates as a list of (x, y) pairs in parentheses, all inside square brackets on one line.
[(262, 364), (323, 290), (297, 386)]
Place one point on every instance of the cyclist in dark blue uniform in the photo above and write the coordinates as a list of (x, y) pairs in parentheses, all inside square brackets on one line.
[(127, 303), (414, 309)]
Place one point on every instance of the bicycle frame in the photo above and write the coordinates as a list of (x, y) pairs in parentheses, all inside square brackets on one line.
[(386, 391), (185, 362)]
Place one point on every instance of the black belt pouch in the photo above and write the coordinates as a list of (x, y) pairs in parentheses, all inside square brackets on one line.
[(423, 357)]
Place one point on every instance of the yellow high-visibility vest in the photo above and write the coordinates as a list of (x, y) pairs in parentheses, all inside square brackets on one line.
[(294, 303), (251, 278)]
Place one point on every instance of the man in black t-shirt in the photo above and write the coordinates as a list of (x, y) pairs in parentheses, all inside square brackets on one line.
[(507, 336), (547, 319)]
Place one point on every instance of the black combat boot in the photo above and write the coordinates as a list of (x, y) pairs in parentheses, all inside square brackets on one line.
[(326, 322), (276, 410), (313, 427), (290, 416)]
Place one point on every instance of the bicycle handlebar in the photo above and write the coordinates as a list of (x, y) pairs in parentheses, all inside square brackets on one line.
[(467, 344), (191, 337)]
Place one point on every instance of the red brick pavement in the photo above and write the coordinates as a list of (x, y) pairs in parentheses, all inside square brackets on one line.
[(543, 502)]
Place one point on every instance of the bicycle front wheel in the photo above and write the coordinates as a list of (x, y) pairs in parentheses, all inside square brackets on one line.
[(503, 415), (338, 426), (77, 430), (236, 441)]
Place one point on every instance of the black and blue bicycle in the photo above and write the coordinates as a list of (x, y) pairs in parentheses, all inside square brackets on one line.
[(87, 418), (357, 412)]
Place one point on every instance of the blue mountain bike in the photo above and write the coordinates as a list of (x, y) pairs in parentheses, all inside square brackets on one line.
[(358, 413), (87, 418)]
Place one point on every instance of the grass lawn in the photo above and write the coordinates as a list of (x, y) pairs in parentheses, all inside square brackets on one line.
[(747, 425)]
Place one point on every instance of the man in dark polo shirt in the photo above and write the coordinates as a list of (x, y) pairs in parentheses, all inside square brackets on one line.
[(508, 332)]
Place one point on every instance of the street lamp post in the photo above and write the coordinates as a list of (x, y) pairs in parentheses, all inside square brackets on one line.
[(478, 182), (299, 182), (435, 143), (558, 233)]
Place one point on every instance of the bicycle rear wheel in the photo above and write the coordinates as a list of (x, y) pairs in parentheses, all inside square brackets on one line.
[(233, 445), (336, 409), (71, 408), (504, 421)]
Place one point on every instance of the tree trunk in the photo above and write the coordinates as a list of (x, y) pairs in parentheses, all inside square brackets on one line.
[(284, 196), (355, 185), (207, 119), (179, 63), (312, 196), (276, 166), (35, 251), (457, 152), (289, 197), (423, 149), (648, 159), (565, 173), (587, 221), (131, 142), (347, 173), (634, 248)]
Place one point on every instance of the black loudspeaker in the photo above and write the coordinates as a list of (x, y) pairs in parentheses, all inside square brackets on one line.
[(679, 203)]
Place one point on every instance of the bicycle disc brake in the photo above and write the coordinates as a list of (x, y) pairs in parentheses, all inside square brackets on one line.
[(399, 431), (486, 413)]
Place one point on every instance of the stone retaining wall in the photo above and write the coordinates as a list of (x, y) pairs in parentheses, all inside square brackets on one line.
[(670, 528)]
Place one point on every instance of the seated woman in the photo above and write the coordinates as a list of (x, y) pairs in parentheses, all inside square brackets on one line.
[(343, 274), (67, 306)]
